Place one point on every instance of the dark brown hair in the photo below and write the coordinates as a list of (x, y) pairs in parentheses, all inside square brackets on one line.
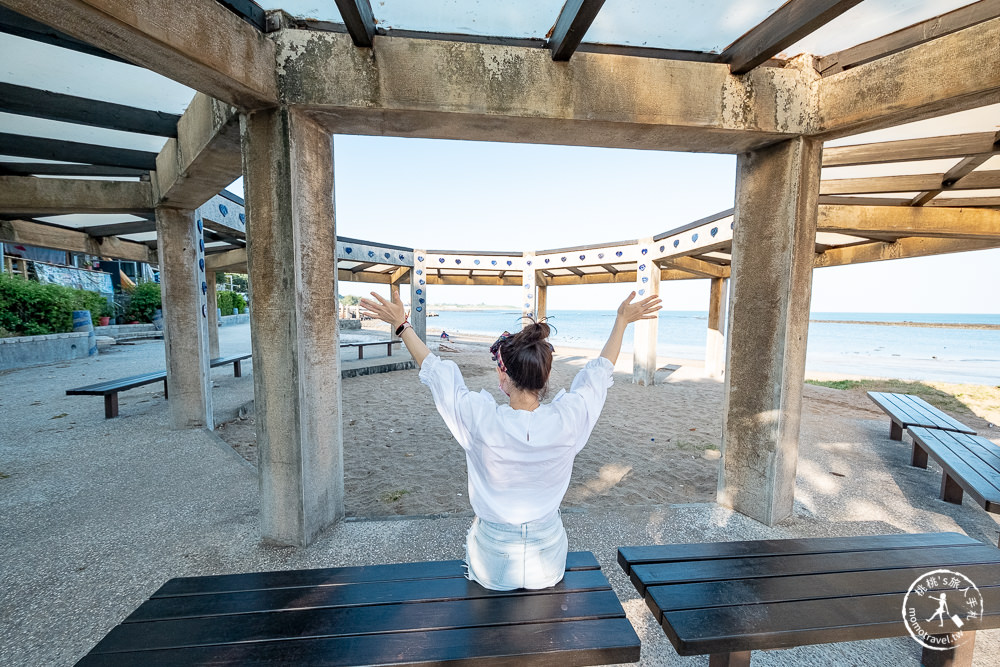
[(527, 355)]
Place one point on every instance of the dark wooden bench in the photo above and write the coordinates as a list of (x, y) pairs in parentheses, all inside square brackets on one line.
[(970, 463), (727, 599), (407, 614), (109, 389), (361, 346), (905, 410)]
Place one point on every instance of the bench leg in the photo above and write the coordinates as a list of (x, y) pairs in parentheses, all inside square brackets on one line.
[(388, 349), (237, 370), (895, 431), (919, 457), (734, 659), (361, 352), (951, 492), (960, 656), (111, 405), (165, 397)]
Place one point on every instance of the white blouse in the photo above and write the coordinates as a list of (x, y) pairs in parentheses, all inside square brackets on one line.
[(519, 461)]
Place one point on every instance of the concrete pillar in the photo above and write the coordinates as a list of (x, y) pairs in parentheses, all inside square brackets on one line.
[(715, 346), (213, 318), (291, 247), (527, 289), (777, 190), (541, 297), (184, 287), (418, 294), (645, 331)]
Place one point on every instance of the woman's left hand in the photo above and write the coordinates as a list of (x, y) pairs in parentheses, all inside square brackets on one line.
[(392, 312)]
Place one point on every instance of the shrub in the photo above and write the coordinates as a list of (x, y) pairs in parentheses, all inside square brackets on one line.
[(145, 301), (28, 308), (226, 301)]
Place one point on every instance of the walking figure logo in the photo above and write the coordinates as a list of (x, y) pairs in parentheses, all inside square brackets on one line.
[(927, 614)]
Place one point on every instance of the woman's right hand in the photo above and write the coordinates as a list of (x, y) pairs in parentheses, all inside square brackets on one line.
[(640, 310)]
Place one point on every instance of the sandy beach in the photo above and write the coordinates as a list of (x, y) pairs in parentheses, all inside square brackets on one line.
[(652, 445)]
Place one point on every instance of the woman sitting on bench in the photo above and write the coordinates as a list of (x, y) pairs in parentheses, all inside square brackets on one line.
[(519, 457)]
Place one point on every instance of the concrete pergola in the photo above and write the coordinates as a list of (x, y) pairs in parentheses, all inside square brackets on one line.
[(273, 90)]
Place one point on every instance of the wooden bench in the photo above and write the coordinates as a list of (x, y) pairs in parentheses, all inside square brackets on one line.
[(109, 389), (361, 346), (905, 410), (730, 598), (970, 463), (407, 614)]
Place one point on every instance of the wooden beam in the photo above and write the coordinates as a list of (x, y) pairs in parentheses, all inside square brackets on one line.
[(945, 75), (39, 103), (698, 267), (573, 23), (203, 159), (966, 202), (907, 150), (401, 274), (71, 151), (364, 266), (913, 35), (977, 180), (901, 249), (27, 196), (788, 24), (200, 44), (364, 276), (222, 229), (864, 201), (537, 99), (475, 280), (227, 259), (357, 16), (71, 240), (964, 168), (119, 228), (47, 169), (954, 223), (13, 23)]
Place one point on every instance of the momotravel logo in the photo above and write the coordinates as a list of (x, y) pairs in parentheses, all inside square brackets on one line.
[(938, 608)]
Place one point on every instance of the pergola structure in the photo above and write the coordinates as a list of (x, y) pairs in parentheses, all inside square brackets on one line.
[(273, 89)]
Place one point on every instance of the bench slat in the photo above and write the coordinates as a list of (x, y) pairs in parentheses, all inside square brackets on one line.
[(631, 556), (222, 361), (109, 386), (352, 595), (785, 624), (966, 459), (893, 407), (373, 619), (230, 583), (908, 410), (734, 593), (605, 641), (938, 417), (778, 566)]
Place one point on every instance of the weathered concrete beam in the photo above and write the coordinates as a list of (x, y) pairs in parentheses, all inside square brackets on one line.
[(945, 75), (901, 249), (203, 159), (459, 90), (70, 240), (200, 44), (28, 196), (954, 223)]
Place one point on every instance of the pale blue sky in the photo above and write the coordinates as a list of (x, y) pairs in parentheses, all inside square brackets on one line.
[(480, 196)]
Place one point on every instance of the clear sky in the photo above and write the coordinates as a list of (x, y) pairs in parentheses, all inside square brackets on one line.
[(455, 195)]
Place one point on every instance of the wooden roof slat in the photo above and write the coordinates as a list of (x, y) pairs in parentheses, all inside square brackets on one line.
[(907, 150), (42, 168), (955, 174), (360, 21), (574, 20), (13, 23), (71, 151), (787, 25)]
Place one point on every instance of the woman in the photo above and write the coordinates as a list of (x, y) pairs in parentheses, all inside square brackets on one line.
[(520, 456)]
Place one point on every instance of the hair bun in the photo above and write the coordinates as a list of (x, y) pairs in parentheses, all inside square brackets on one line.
[(535, 332)]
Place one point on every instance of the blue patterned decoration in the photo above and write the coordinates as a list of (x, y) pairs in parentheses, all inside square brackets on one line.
[(243, 219), (642, 267), (694, 238), (420, 272), (493, 262), (641, 292), (645, 279), (441, 260), (387, 255), (476, 262), (600, 255), (677, 242), (420, 282), (420, 300), (618, 254), (715, 230), (371, 253), (347, 250), (419, 309), (420, 259), (644, 251), (223, 210), (420, 291), (458, 261)]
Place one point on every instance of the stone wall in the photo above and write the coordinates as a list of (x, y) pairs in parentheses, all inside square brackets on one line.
[(23, 351)]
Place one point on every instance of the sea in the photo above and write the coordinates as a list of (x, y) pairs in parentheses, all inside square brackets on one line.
[(838, 342)]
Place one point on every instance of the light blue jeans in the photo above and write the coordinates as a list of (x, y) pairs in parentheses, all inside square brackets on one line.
[(503, 556)]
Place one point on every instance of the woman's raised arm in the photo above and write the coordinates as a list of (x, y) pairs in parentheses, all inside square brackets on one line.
[(394, 313), (629, 312)]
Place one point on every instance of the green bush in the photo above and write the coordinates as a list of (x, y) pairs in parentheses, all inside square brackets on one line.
[(28, 308), (226, 301), (145, 301)]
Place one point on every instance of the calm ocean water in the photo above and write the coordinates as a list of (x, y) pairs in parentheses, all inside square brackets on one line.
[(946, 355)]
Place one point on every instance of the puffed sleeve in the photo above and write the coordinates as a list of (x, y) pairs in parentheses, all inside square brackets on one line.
[(585, 399), (456, 404)]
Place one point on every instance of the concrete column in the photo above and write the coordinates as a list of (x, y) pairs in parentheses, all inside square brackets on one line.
[(291, 248), (418, 294), (541, 297), (777, 190), (184, 287), (715, 346), (646, 331), (527, 289), (213, 318)]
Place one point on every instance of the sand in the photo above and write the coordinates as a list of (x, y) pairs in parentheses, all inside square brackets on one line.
[(652, 445)]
